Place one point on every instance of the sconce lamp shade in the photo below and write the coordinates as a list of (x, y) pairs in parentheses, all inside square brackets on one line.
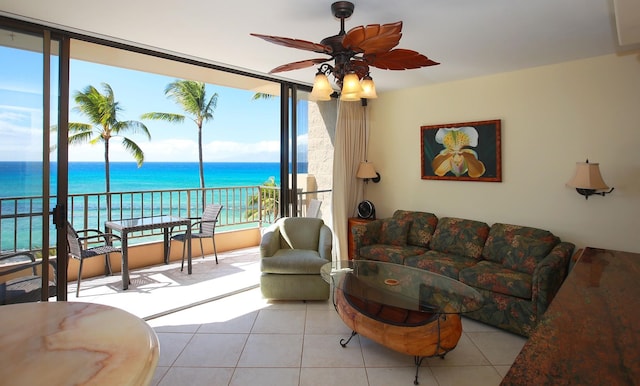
[(367, 172), (587, 179), (321, 88)]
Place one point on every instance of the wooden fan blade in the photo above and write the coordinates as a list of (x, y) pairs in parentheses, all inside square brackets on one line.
[(296, 43), (399, 59), (298, 65), (374, 38)]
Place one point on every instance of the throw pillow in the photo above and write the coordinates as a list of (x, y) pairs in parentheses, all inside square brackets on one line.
[(524, 253), (394, 232)]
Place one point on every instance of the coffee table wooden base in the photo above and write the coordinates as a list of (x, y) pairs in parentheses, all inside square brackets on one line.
[(434, 338)]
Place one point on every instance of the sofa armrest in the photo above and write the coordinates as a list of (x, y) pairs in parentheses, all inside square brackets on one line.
[(364, 235), (270, 242), (325, 243), (549, 275)]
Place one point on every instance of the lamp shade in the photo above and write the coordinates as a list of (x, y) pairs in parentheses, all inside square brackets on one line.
[(368, 88), (366, 171), (350, 97), (351, 88), (587, 176), (321, 88)]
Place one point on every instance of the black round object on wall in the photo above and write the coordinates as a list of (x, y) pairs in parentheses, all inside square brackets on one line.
[(366, 210)]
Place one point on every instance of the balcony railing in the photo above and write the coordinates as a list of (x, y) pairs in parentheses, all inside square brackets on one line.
[(243, 207)]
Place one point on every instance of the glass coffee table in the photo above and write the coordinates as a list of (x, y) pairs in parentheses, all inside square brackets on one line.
[(409, 310)]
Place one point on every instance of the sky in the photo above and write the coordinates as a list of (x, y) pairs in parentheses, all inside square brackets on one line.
[(242, 130)]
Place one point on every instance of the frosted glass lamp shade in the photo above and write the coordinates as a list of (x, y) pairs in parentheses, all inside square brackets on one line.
[(322, 90), (368, 88), (351, 88)]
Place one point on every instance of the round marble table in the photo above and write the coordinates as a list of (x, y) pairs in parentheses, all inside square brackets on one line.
[(70, 343)]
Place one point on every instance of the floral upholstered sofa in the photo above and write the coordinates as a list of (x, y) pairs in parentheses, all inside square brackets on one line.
[(518, 269)]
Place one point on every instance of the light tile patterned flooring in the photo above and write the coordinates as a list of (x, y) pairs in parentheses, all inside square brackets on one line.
[(244, 339)]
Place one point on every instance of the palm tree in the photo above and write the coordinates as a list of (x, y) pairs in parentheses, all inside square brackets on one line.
[(101, 110), (191, 96), (268, 198)]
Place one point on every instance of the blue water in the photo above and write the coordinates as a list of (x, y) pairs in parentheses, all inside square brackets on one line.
[(25, 178)]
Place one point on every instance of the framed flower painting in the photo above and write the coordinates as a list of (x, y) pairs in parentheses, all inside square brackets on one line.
[(468, 151)]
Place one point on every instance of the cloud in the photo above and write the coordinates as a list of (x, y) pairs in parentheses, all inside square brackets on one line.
[(183, 150), (223, 151)]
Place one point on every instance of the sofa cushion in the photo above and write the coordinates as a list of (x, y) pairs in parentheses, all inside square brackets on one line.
[(293, 261), (394, 231), (501, 236), (423, 225), (460, 237), (442, 263), (390, 253), (495, 277), (525, 253)]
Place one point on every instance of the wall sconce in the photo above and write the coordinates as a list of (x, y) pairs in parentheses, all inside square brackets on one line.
[(587, 180), (367, 172)]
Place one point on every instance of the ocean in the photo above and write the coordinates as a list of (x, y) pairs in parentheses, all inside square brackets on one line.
[(24, 178)]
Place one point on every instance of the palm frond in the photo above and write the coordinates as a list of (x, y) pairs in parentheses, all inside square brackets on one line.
[(81, 137), (168, 117), (133, 149), (134, 127), (77, 127), (262, 95)]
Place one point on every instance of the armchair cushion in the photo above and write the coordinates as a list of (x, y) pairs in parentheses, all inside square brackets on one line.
[(293, 261), (300, 233)]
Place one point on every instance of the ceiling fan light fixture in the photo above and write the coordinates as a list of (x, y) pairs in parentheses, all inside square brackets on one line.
[(322, 89), (353, 53), (351, 86), (368, 88)]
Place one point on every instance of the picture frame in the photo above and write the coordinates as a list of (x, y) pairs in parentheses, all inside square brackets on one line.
[(467, 151)]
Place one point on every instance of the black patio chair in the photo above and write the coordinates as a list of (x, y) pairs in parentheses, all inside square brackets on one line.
[(203, 228), (78, 251), (25, 288)]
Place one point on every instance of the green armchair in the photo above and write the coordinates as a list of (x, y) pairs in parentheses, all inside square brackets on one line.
[(292, 250)]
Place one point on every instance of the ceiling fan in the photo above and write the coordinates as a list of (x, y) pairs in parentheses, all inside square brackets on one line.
[(353, 52)]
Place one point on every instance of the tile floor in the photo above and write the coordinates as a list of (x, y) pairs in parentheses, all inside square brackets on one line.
[(244, 339)]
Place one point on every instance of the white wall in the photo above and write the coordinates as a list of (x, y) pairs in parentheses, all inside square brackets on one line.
[(552, 117)]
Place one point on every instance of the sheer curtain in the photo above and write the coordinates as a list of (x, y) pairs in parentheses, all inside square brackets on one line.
[(351, 132)]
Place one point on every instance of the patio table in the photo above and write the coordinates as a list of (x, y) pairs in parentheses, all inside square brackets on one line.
[(127, 226)]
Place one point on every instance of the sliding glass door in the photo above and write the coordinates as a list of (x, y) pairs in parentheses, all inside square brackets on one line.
[(29, 97)]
